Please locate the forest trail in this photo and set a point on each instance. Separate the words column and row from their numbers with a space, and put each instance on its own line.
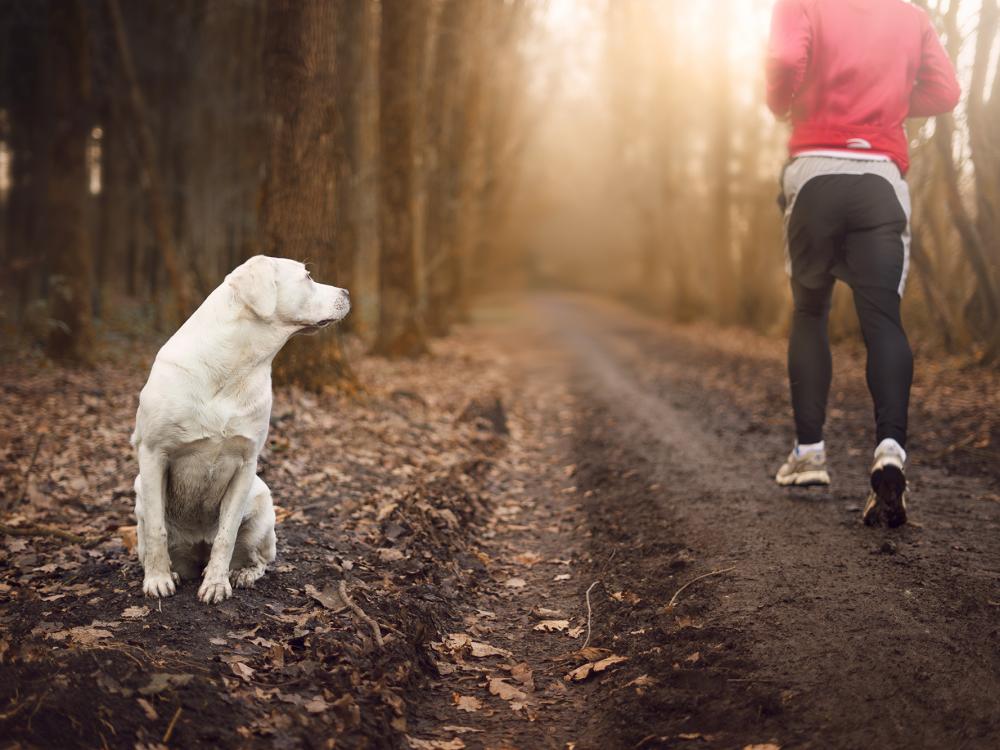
column 809, row 630
column 469, row 502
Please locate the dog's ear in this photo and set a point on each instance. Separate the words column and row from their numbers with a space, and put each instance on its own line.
column 256, row 285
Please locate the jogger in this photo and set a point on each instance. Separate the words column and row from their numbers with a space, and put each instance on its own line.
column 848, row 75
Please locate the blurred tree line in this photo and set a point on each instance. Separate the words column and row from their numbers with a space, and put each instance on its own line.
column 399, row 146
column 147, row 148
column 699, row 156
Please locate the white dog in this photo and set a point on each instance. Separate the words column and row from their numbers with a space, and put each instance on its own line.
column 202, row 420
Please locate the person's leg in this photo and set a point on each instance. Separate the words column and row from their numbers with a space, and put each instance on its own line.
column 810, row 365
column 814, row 225
column 876, row 249
column 890, row 360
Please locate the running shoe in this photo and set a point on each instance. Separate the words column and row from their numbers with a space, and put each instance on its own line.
column 808, row 470
column 887, row 499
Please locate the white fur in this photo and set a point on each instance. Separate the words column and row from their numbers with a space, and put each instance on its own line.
column 202, row 421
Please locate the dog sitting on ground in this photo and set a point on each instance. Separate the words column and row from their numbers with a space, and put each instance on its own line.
column 203, row 418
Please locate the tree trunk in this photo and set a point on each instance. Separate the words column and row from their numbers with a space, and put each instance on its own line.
column 351, row 40
column 159, row 209
column 297, row 209
column 443, row 110
column 67, row 76
column 400, row 328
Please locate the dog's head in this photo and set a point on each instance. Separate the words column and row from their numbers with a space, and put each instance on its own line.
column 281, row 291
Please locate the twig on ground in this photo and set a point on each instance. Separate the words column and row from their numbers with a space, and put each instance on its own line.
column 26, row 477
column 170, row 727
column 376, row 630
column 589, row 613
column 42, row 530
column 673, row 599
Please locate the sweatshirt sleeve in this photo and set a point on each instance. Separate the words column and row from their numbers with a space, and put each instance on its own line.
column 787, row 54
column 936, row 90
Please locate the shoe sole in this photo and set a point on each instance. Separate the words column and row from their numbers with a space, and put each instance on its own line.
column 887, row 501
column 805, row 479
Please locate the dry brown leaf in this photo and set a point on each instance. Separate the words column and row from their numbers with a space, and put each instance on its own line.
column 763, row 746
column 242, row 670
column 389, row 554
column 506, row 691
column 523, row 674
column 469, row 703
column 527, row 558
column 546, row 612
column 457, row 642
column 515, row 583
column 135, row 613
column 562, row 577
column 482, row 650
column 328, row 597
column 583, row 672
column 452, row 744
column 593, row 653
column 84, row 635
column 128, row 537
column 643, row 680
column 459, row 729
column 575, row 632
column 316, row 705
column 552, row 626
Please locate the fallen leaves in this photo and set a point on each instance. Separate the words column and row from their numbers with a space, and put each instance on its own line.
column 135, row 613
column 452, row 744
column 462, row 643
column 552, row 626
column 505, row 691
column 469, row 703
column 329, row 597
column 584, row 671
column 83, row 635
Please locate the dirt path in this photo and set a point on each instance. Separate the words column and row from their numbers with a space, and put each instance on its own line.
column 819, row 632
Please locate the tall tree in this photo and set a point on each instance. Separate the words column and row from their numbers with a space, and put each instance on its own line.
column 67, row 87
column 400, row 327
column 298, row 205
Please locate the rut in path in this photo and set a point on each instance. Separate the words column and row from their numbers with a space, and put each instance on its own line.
column 825, row 634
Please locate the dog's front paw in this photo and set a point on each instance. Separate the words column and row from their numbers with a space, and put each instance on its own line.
column 215, row 590
column 160, row 585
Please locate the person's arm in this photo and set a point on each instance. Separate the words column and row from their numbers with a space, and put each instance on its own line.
column 936, row 90
column 787, row 54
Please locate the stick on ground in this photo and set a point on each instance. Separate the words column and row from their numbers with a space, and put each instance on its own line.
column 360, row 613
column 589, row 613
column 40, row 530
column 170, row 728
column 673, row 599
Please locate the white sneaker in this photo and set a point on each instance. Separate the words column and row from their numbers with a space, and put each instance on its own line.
column 808, row 470
column 887, row 498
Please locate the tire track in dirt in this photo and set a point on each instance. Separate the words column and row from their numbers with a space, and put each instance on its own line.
column 826, row 634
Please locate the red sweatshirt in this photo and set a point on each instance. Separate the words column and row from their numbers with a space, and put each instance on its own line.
column 849, row 72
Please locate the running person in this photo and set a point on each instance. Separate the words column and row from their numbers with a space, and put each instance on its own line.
column 848, row 73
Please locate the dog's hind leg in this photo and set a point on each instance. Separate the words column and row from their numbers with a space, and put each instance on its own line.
column 256, row 544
